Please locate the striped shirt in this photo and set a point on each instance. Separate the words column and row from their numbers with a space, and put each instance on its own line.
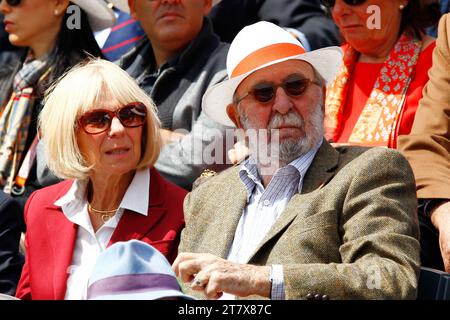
column 264, row 206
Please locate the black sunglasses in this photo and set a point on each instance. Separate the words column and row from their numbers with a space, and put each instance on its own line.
column 97, row 121
column 12, row 3
column 294, row 86
column 330, row 3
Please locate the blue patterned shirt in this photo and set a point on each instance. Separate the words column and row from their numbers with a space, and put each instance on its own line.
column 264, row 206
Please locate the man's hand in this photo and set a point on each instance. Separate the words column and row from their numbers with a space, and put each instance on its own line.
column 214, row 275
column 238, row 153
column 170, row 136
column 440, row 217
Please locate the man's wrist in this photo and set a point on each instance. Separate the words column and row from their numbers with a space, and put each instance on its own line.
column 428, row 205
column 439, row 211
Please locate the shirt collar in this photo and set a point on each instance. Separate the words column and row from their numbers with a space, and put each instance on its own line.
column 250, row 177
column 136, row 197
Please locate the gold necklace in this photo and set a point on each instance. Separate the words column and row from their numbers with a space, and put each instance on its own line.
column 105, row 214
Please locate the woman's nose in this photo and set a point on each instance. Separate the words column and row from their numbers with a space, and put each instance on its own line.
column 117, row 127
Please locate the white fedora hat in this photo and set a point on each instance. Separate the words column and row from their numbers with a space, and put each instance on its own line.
column 100, row 16
column 257, row 46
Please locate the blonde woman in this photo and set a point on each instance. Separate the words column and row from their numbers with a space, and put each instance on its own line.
column 101, row 133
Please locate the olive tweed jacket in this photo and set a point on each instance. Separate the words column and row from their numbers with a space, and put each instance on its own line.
column 351, row 234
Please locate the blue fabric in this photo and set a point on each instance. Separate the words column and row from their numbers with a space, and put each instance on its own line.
column 128, row 260
column 124, row 35
column 445, row 7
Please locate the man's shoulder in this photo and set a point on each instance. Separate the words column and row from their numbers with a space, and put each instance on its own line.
column 373, row 161
column 364, row 154
column 210, row 179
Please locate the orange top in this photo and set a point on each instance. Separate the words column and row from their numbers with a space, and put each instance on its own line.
column 361, row 84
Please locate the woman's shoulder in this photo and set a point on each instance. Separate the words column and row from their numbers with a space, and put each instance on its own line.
column 170, row 189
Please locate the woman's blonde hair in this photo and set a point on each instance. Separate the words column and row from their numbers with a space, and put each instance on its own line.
column 85, row 87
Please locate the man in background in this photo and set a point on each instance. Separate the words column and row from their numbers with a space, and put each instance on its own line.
column 177, row 61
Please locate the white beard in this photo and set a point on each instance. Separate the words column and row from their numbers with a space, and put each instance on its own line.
column 283, row 152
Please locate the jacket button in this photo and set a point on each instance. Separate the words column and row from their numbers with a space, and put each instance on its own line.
column 310, row 296
column 317, row 296
column 325, row 297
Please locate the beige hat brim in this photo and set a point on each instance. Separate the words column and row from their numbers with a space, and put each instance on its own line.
column 326, row 61
column 99, row 14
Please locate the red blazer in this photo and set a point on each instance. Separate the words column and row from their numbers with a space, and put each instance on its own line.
column 50, row 237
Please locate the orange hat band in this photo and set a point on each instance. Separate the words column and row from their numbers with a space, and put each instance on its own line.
column 265, row 55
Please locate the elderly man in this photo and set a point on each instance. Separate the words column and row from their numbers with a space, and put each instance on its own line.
column 315, row 222
column 175, row 63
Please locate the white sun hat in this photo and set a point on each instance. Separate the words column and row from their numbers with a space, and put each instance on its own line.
column 258, row 46
column 100, row 16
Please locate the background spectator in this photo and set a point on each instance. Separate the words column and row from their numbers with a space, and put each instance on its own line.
column 178, row 60
column 308, row 20
column 8, row 53
column 427, row 148
column 376, row 92
column 123, row 36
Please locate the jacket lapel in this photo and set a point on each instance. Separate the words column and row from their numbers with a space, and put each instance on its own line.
column 61, row 235
column 133, row 225
column 322, row 169
column 229, row 199
column 320, row 172
column 233, row 213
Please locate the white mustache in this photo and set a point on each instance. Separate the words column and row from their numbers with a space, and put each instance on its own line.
column 291, row 119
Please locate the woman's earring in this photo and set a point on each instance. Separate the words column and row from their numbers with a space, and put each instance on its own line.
column 56, row 12
column 402, row 6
